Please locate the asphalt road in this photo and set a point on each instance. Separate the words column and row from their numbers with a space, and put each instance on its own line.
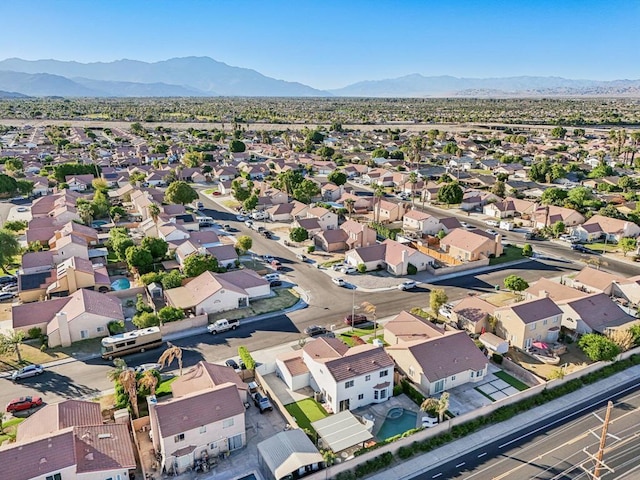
column 553, row 448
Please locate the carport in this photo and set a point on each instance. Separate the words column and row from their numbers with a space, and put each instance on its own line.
column 341, row 431
column 289, row 454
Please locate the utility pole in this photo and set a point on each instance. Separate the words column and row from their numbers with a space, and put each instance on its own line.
column 603, row 440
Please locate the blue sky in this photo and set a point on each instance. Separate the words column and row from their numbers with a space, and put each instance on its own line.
column 330, row 44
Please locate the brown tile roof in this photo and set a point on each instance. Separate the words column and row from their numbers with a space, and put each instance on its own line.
column 556, row 291
column 103, row 448
column 417, row 215
column 97, row 303
column 36, row 312
column 465, row 239
column 242, row 278
column 203, row 376
column 38, row 458
column 444, row 356
column 598, row 279
column 37, row 259
column 323, row 349
column 58, row 416
column 178, row 415
column 372, row 253
column 408, row 327
column 533, row 310
column 600, row 312
column 359, row 361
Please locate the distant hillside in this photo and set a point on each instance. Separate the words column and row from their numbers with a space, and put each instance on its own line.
column 44, row 85
column 202, row 75
column 417, row 85
column 133, row 89
column 4, row 94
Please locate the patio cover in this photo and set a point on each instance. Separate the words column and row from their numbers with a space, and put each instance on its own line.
column 341, row 431
column 288, row 451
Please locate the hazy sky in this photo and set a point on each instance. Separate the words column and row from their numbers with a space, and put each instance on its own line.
column 329, row 44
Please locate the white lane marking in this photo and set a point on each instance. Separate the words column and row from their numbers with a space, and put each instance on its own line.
column 482, row 454
column 436, row 475
column 460, row 464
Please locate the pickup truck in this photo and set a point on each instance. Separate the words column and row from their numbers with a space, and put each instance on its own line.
column 262, row 402
column 223, row 325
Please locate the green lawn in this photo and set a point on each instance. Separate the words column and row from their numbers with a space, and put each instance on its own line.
column 510, row 254
column 514, row 382
column 601, row 247
column 306, row 411
column 165, row 387
column 9, row 429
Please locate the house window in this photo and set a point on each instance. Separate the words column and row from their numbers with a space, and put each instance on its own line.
column 367, row 378
column 555, row 319
column 84, row 334
column 383, row 393
column 213, row 446
column 544, row 322
column 100, row 329
column 178, row 438
column 412, row 371
column 453, row 377
column 532, row 326
column 479, row 373
column 384, row 373
column 375, row 394
column 361, row 396
column 55, row 476
column 227, row 423
column 203, row 429
column 348, row 384
column 472, row 374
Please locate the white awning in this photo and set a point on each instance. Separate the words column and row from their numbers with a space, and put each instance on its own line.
column 341, row 431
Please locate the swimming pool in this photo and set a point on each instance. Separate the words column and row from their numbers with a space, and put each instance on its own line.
column 397, row 422
column 121, row 284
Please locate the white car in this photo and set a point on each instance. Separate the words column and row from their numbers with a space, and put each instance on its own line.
column 349, row 270
column 337, row 267
column 240, row 218
column 339, row 281
column 407, row 285
column 26, row 372
column 429, row 422
column 148, row 366
column 271, row 277
column 492, row 223
column 492, row 232
column 249, row 223
column 22, row 209
column 445, row 312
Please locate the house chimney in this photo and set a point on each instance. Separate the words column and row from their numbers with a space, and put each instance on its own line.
column 543, row 294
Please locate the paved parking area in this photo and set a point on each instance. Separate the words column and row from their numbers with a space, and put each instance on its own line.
column 497, row 389
column 468, row 397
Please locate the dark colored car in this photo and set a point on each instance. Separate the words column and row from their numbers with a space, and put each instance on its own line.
column 355, row 319
column 267, row 234
column 23, row 403
column 4, row 279
column 315, row 330
column 232, row 363
column 581, row 248
column 275, row 283
column 262, row 402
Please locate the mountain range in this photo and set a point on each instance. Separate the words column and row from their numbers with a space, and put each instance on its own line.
column 204, row 77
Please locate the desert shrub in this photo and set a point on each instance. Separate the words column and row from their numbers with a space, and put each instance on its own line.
column 411, row 269
column 34, row 332
column 496, row 357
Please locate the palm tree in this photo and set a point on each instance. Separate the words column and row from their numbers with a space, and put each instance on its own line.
column 378, row 193
column 119, row 366
column 12, row 341
column 154, row 212
column 170, row 354
column 349, row 203
column 440, row 405
column 85, row 212
column 371, row 308
column 149, row 380
column 128, row 381
column 413, row 179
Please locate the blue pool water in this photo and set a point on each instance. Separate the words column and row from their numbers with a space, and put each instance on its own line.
column 397, row 422
column 121, row 284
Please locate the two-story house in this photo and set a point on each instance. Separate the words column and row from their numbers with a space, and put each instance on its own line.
column 530, row 321
column 422, row 223
column 471, row 245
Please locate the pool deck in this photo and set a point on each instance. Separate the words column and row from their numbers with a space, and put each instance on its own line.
column 378, row 411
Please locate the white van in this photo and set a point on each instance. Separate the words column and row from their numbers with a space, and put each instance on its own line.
column 259, row 215
column 270, row 277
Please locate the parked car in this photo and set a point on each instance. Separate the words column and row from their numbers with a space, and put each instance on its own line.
column 407, row 285
column 4, row 279
column 356, row 319
column 349, row 270
column 445, row 312
column 267, row 234
column 26, row 372
column 249, row 223
column 271, row 277
column 232, row 363
column 23, row 403
column 467, row 226
column 581, row 248
column 12, row 287
column 275, row 283
column 337, row 266
column 262, row 402
column 4, row 296
column 315, row 330
column 276, row 265
column 148, row 366
column 240, row 218
column 428, row 422
column 226, row 227
column 492, row 223
column 302, row 257
column 339, row 281
column 492, row 232
column 268, row 258
column 261, row 229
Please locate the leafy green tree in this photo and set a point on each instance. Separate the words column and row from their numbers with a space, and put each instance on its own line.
column 10, row 342
column 117, row 212
column 15, row 225
column 579, row 196
column 99, row 184
column 515, row 283
column 170, row 314
column 62, row 170
column 558, row 132
column 120, row 241
column 437, row 298
column 145, row 320
column 173, row 279
column 239, row 191
column 244, row 243
column 315, row 136
column 499, row 188
column 25, row 187
column 288, row 181
column 250, row 203
column 8, row 185
column 199, row 263
column 527, row 250
column 380, row 153
column 601, row 171
column 598, row 348
column 100, row 204
column 326, row 152
column 558, row 228
column 451, row 193
column 627, row 183
column 237, row 146
column 554, row 196
column 13, row 165
column 9, row 248
column 137, row 177
column 337, row 177
column 298, row 234
column 579, row 132
column 306, row 191
column 151, row 277
column 441, row 234
column 192, row 159
column 156, row 246
column 181, row 193
column 139, row 258
column 628, row 244
column 246, row 358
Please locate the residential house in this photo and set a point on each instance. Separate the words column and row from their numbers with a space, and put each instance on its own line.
column 70, row 441
column 595, row 313
column 473, row 314
column 327, row 220
column 378, row 176
column 421, row 223
column 330, row 192
column 83, row 314
column 388, row 212
column 548, row 215
column 599, row 226
column 558, row 292
column 347, row 378
column 79, row 183
column 407, row 327
column 471, row 245
column 211, row 293
column 390, row 255
column 593, row 280
column 359, row 234
column 331, row 240
column 529, row 321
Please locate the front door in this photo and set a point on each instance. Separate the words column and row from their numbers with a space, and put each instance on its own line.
column 527, row 343
column 438, row 386
column 344, row 405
